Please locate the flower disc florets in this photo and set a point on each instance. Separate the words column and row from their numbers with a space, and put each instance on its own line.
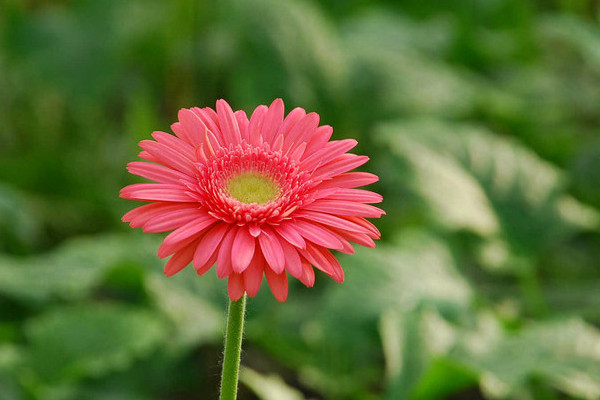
column 267, row 172
column 259, row 196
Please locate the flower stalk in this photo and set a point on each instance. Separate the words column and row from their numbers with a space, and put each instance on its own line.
column 233, row 348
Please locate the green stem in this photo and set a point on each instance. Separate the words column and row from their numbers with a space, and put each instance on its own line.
column 233, row 348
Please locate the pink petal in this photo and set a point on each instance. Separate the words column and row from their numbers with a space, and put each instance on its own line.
column 298, row 151
column 210, row 119
column 342, row 164
column 288, row 123
column 193, row 125
column 179, row 261
column 242, row 250
column 330, row 220
column 350, row 180
column 147, row 156
column 317, row 234
column 156, row 192
column 224, row 267
column 348, row 208
column 373, row 231
column 169, row 156
column 302, row 130
column 242, row 121
column 254, row 230
column 329, row 152
column 175, row 143
column 255, row 125
column 293, row 263
column 271, row 249
column 322, row 259
column 170, row 220
column 191, row 228
column 359, row 238
column 308, row 274
column 319, row 138
column 139, row 216
column 253, row 275
column 235, row 286
column 156, row 172
column 272, row 120
column 228, row 123
column 201, row 269
column 182, row 133
column 287, row 231
column 165, row 250
column 358, row 195
column 209, row 244
column 278, row 283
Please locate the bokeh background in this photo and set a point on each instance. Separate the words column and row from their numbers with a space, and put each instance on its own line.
column 480, row 116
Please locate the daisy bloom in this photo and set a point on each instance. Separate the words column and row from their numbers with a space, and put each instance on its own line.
column 269, row 195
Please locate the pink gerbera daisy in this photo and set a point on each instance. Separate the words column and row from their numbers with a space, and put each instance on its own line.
column 265, row 195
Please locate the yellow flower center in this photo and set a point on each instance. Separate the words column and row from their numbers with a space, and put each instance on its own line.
column 252, row 187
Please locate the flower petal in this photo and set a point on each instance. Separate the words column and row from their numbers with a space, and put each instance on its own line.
column 271, row 250
column 302, row 130
column 179, row 260
column 272, row 120
column 156, row 192
column 349, row 180
column 156, row 172
column 209, row 244
column 342, row 164
column 191, row 228
column 169, row 156
column 170, row 220
column 317, row 234
column 242, row 250
column 348, row 208
column 255, row 125
column 175, row 143
column 330, row 220
column 322, row 259
column 224, row 267
column 327, row 153
column 253, row 274
column 140, row 215
column 357, row 195
column 235, row 286
column 228, row 123
column 308, row 274
column 287, row 231
column 278, row 284
column 193, row 126
column 293, row 263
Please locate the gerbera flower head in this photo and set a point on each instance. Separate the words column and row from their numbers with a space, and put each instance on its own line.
column 266, row 196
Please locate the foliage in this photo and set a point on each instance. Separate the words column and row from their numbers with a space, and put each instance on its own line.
column 480, row 117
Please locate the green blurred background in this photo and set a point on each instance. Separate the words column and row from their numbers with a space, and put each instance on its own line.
column 480, row 116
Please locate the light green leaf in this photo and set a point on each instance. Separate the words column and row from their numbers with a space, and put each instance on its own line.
column 268, row 387
column 565, row 353
column 72, row 270
column 196, row 320
column 90, row 340
column 493, row 186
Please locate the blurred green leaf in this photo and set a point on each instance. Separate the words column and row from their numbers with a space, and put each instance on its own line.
column 72, row 270
column 19, row 227
column 90, row 340
column 268, row 387
column 566, row 353
column 473, row 180
column 195, row 319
